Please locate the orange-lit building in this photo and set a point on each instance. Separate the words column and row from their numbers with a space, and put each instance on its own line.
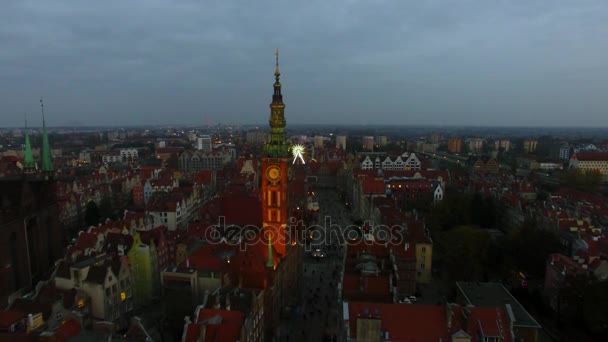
column 455, row 145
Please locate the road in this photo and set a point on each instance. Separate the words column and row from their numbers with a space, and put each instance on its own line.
column 321, row 315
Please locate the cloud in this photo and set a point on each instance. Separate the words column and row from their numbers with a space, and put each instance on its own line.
column 401, row 62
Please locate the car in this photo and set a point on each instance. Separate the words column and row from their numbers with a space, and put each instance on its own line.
column 318, row 253
column 412, row 299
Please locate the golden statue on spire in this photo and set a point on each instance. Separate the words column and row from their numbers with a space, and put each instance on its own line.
column 277, row 73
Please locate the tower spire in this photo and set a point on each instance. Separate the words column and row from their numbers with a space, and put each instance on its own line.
column 277, row 72
column 277, row 146
column 47, row 164
column 28, row 157
column 270, row 260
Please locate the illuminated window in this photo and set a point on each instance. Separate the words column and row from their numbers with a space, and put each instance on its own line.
column 81, row 303
column 123, row 296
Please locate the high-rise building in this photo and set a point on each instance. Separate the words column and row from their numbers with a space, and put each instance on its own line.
column 256, row 137
column 319, row 140
column 382, row 140
column 368, row 143
column 530, row 145
column 475, row 145
column 503, row 144
column 455, row 145
column 341, row 142
column 435, row 138
column 203, row 143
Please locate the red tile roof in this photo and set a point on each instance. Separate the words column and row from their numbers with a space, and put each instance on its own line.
column 203, row 177
column 404, row 322
column 68, row 329
column 10, row 317
column 242, row 210
column 208, row 258
column 373, row 186
column 86, row 240
column 228, row 330
column 591, row 156
column 492, row 322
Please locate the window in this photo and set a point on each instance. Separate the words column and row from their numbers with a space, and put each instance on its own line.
column 273, row 198
column 423, row 250
column 422, row 267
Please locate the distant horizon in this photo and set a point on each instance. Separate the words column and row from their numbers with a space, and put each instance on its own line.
column 299, row 125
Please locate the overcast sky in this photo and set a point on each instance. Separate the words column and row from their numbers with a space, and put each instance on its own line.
column 460, row 62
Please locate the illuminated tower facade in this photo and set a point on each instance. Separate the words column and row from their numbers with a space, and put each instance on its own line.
column 275, row 169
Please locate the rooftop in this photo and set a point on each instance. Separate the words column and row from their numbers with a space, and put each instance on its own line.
column 494, row 295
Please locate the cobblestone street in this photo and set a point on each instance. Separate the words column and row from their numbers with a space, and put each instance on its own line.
column 318, row 317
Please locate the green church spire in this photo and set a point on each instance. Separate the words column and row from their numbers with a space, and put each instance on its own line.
column 47, row 164
column 28, row 157
column 270, row 261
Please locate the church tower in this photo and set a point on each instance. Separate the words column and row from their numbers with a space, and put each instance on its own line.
column 47, row 163
column 274, row 171
column 29, row 166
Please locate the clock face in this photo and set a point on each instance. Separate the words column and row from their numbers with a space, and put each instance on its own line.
column 273, row 173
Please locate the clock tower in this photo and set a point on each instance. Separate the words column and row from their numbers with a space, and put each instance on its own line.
column 275, row 171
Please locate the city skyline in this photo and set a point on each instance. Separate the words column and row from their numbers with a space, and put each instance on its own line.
column 431, row 63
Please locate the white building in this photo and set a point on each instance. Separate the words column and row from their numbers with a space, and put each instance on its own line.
column 475, row 145
column 203, row 143
column 111, row 158
column 107, row 283
column 129, row 155
column 341, row 142
column 406, row 161
column 505, row 144
column 171, row 213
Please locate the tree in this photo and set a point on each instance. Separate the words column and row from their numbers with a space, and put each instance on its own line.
column 595, row 310
column 91, row 214
column 462, row 251
column 530, row 248
column 585, row 181
column 106, row 209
